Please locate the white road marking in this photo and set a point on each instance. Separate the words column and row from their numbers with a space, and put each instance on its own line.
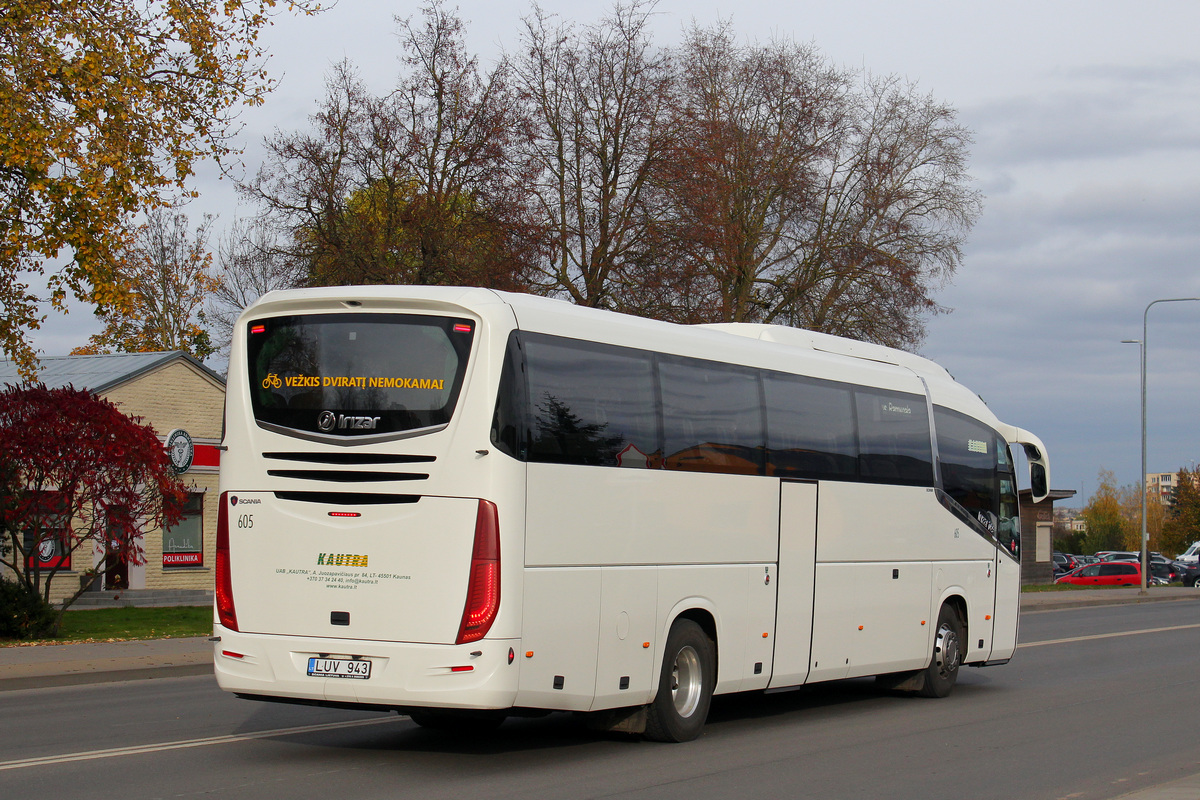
column 1108, row 635
column 160, row 747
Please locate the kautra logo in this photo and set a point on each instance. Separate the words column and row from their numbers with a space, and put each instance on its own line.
column 341, row 560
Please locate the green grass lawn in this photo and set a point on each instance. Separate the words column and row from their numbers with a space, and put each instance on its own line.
column 1058, row 587
column 1071, row 587
column 116, row 624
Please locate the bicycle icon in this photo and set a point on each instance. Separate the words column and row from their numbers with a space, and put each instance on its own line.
column 272, row 381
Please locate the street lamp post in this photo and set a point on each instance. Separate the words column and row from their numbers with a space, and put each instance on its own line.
column 1142, row 482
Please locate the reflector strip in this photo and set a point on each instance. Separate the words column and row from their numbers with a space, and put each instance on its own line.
column 462, row 669
column 231, row 654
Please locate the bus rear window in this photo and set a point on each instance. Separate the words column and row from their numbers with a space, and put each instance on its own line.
column 347, row 375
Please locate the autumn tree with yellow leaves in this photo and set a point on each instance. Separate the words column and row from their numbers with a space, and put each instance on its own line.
column 164, row 265
column 105, row 107
column 1109, row 527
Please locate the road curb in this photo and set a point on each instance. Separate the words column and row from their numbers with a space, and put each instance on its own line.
column 103, row 676
column 1034, row 602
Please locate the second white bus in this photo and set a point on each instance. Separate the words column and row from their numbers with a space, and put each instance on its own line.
column 463, row 504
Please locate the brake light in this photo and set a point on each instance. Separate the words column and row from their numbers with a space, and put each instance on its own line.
column 483, row 585
column 224, row 590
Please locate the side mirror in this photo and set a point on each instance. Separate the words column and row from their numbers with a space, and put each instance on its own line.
column 1038, row 481
column 1035, row 454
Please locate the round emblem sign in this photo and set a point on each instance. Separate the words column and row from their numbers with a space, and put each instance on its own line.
column 46, row 550
column 180, row 450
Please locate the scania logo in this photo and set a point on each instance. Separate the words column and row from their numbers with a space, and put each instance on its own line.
column 326, row 420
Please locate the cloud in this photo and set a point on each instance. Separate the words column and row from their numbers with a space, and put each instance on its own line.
column 1106, row 113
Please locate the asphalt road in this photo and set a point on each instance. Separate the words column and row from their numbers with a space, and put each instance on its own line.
column 1098, row 703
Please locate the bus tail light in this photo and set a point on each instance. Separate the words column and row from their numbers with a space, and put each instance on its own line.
column 224, row 591
column 483, row 585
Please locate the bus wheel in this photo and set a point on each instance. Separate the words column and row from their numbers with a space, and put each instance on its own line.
column 942, row 671
column 685, row 685
column 456, row 721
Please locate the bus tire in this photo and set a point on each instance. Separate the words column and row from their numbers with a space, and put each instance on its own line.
column 942, row 672
column 685, row 685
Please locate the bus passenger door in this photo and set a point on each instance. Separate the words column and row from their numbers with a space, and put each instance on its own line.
column 1008, row 605
column 797, row 569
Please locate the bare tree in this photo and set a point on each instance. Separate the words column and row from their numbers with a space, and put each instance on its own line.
column 740, row 178
column 460, row 130
column 414, row 187
column 163, row 265
column 308, row 177
column 250, row 263
column 721, row 181
column 598, row 98
column 793, row 197
column 897, row 205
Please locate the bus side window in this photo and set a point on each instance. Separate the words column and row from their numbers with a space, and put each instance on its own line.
column 977, row 473
column 810, row 428
column 893, row 438
column 590, row 404
column 508, row 421
column 712, row 417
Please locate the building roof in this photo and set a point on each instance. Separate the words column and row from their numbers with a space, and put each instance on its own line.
column 103, row 372
column 1055, row 494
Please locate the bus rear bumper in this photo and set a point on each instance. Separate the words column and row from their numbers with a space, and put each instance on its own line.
column 479, row 675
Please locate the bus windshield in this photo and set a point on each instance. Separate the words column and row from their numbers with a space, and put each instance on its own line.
column 347, row 375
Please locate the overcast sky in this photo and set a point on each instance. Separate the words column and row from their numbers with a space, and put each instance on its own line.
column 1086, row 118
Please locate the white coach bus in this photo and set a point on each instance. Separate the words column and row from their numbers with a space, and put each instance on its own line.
column 463, row 504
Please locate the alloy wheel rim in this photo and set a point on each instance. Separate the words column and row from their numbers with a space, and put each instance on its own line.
column 687, row 680
column 947, row 650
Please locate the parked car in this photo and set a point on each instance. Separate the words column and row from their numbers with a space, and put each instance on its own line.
column 1190, row 574
column 1191, row 555
column 1064, row 562
column 1119, row 555
column 1105, row 573
column 1164, row 571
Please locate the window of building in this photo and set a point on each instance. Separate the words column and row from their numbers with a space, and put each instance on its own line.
column 49, row 547
column 183, row 542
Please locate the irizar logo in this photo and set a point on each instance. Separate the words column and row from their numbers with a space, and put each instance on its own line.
column 327, row 421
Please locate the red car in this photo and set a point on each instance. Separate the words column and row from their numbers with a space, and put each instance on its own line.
column 1106, row 573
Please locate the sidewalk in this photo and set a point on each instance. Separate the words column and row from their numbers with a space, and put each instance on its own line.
column 70, row 664
column 101, row 662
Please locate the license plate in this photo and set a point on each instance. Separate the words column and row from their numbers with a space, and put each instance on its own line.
column 339, row 668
